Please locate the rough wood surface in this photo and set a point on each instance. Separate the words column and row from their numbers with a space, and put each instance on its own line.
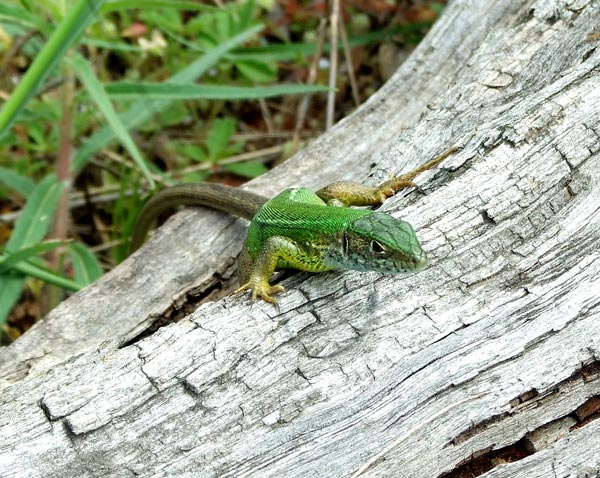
column 485, row 364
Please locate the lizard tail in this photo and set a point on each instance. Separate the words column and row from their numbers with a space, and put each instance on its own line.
column 215, row 196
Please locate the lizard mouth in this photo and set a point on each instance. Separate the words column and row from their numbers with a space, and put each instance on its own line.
column 421, row 262
column 415, row 262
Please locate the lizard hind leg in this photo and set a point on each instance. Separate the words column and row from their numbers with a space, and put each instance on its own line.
column 348, row 193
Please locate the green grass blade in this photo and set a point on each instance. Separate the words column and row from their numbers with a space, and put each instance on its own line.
column 67, row 32
column 112, row 45
column 10, row 259
column 23, row 17
column 165, row 91
column 11, row 286
column 30, row 228
column 13, row 281
column 32, row 225
column 21, row 184
column 141, row 112
column 85, row 264
column 300, row 51
column 33, row 270
column 96, row 91
column 114, row 5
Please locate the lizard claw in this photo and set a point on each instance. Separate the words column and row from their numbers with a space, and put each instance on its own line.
column 261, row 290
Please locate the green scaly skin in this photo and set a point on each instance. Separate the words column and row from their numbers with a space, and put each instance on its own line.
column 301, row 229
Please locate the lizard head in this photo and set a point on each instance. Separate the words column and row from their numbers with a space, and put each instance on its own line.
column 379, row 242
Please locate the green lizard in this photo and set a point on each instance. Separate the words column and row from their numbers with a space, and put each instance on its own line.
column 301, row 229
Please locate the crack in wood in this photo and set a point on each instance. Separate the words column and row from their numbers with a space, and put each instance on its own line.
column 214, row 289
column 49, row 416
column 535, row 440
column 529, row 398
column 485, row 215
column 218, row 286
column 484, row 460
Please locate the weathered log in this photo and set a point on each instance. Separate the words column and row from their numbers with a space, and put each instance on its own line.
column 486, row 363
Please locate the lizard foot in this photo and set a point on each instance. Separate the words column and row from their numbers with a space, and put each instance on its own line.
column 390, row 187
column 261, row 289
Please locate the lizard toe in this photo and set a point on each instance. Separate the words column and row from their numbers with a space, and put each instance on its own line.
column 266, row 292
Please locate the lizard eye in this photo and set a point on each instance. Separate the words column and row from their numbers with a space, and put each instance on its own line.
column 377, row 247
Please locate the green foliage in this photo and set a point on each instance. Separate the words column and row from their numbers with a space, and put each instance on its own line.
column 124, row 215
column 65, row 35
column 17, row 15
column 13, row 180
column 143, row 110
column 32, row 225
column 162, row 91
column 247, row 169
column 11, row 259
column 85, row 264
column 114, row 5
column 218, row 138
column 30, row 228
column 96, row 91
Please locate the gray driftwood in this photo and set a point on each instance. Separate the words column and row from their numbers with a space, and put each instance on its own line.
column 487, row 363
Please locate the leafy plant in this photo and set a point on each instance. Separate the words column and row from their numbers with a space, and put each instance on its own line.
column 65, row 35
column 38, row 116
column 30, row 228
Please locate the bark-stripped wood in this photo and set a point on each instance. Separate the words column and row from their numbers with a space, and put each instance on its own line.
column 485, row 364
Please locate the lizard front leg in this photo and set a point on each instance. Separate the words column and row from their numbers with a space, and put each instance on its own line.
column 348, row 193
column 256, row 273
